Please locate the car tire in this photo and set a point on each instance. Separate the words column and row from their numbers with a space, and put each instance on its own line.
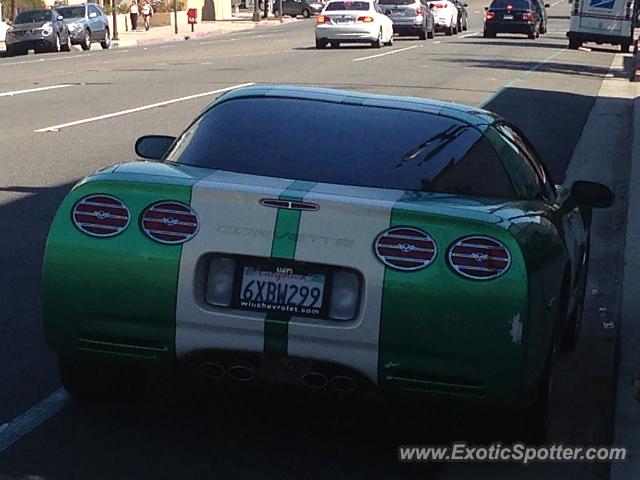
column 321, row 43
column 422, row 34
column 458, row 28
column 487, row 34
column 465, row 27
column 306, row 13
column 625, row 47
column 448, row 31
column 334, row 44
column 431, row 33
column 106, row 43
column 92, row 381
column 390, row 42
column 574, row 44
column 86, row 41
column 378, row 42
column 533, row 35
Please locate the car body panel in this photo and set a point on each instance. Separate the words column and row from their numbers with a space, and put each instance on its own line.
column 37, row 35
column 343, row 25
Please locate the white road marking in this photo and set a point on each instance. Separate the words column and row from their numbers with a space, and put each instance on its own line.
column 470, row 35
column 32, row 90
column 54, row 59
column 438, row 41
column 386, row 53
column 55, row 128
column 17, row 428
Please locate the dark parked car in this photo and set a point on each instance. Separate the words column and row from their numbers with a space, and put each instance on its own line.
column 86, row 23
column 513, row 16
column 40, row 30
column 293, row 8
column 463, row 21
column 410, row 17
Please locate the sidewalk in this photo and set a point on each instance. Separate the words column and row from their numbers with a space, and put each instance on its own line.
column 166, row 33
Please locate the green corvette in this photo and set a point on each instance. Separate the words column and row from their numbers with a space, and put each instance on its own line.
column 404, row 246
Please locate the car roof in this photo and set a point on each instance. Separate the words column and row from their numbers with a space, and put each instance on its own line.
column 465, row 113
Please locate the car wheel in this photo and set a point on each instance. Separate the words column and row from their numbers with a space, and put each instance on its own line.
column 334, row 44
column 378, row 42
column 106, row 43
column 321, row 43
column 431, row 32
column 574, row 44
column 422, row 34
column 458, row 28
column 624, row 47
column 306, row 13
column 533, row 35
column 543, row 28
column 91, row 381
column 465, row 27
column 487, row 34
column 448, row 31
column 86, row 41
column 390, row 42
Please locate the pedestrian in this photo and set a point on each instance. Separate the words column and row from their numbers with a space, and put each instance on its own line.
column 133, row 14
column 147, row 13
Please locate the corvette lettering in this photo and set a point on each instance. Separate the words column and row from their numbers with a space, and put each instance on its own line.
column 286, row 236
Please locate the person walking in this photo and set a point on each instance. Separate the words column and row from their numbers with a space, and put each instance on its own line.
column 147, row 13
column 133, row 15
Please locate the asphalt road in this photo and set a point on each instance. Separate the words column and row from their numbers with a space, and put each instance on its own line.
column 54, row 132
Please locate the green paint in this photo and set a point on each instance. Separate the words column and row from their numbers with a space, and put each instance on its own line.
column 439, row 331
column 285, row 238
column 117, row 291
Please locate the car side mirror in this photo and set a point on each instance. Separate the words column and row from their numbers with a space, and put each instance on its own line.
column 153, row 147
column 93, row 15
column 546, row 5
column 592, row 194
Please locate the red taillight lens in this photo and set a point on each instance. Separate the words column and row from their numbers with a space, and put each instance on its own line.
column 405, row 248
column 366, row 19
column 489, row 16
column 527, row 17
column 101, row 215
column 322, row 19
column 420, row 10
column 509, row 7
column 479, row 258
column 439, row 5
column 169, row 222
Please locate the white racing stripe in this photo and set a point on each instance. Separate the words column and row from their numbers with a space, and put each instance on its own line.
column 55, row 128
column 17, row 428
column 34, row 90
column 345, row 213
column 386, row 53
column 231, row 221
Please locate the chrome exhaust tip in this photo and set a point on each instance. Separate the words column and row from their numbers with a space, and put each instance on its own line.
column 212, row 370
column 343, row 384
column 315, row 380
column 241, row 373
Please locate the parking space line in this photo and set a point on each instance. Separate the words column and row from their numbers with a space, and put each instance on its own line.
column 55, row 128
column 17, row 428
column 32, row 90
column 386, row 53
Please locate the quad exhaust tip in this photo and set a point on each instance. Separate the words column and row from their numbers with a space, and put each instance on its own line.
column 241, row 373
column 212, row 370
column 315, row 380
column 343, row 384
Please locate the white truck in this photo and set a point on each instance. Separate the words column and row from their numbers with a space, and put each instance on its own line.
column 602, row 21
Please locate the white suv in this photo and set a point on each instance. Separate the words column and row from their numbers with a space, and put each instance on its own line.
column 445, row 15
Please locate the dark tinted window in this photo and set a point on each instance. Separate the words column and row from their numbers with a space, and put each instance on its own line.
column 515, row 4
column 396, row 2
column 347, row 6
column 33, row 16
column 71, row 12
column 344, row 144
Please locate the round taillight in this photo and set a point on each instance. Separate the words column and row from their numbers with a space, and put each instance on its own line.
column 169, row 222
column 479, row 258
column 405, row 248
column 101, row 215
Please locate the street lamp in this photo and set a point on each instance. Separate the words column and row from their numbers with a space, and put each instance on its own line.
column 114, row 16
column 256, row 10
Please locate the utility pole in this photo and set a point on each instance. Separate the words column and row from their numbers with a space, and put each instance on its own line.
column 256, row 10
column 175, row 15
column 114, row 17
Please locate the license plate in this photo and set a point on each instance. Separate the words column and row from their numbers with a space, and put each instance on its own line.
column 507, row 17
column 281, row 290
column 344, row 20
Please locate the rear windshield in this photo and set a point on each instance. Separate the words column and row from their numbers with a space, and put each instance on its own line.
column 396, row 2
column 344, row 144
column 33, row 16
column 71, row 12
column 347, row 6
column 515, row 4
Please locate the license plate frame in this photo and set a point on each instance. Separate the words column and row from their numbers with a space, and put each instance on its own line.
column 507, row 17
column 280, row 267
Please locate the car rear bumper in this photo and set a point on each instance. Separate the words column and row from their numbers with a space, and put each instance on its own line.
column 510, row 27
column 599, row 38
column 351, row 33
column 30, row 44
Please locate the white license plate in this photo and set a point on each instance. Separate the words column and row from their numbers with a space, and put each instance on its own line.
column 507, row 17
column 281, row 290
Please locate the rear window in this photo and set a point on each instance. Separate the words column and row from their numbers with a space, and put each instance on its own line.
column 515, row 4
column 344, row 144
column 33, row 16
column 347, row 6
column 396, row 2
